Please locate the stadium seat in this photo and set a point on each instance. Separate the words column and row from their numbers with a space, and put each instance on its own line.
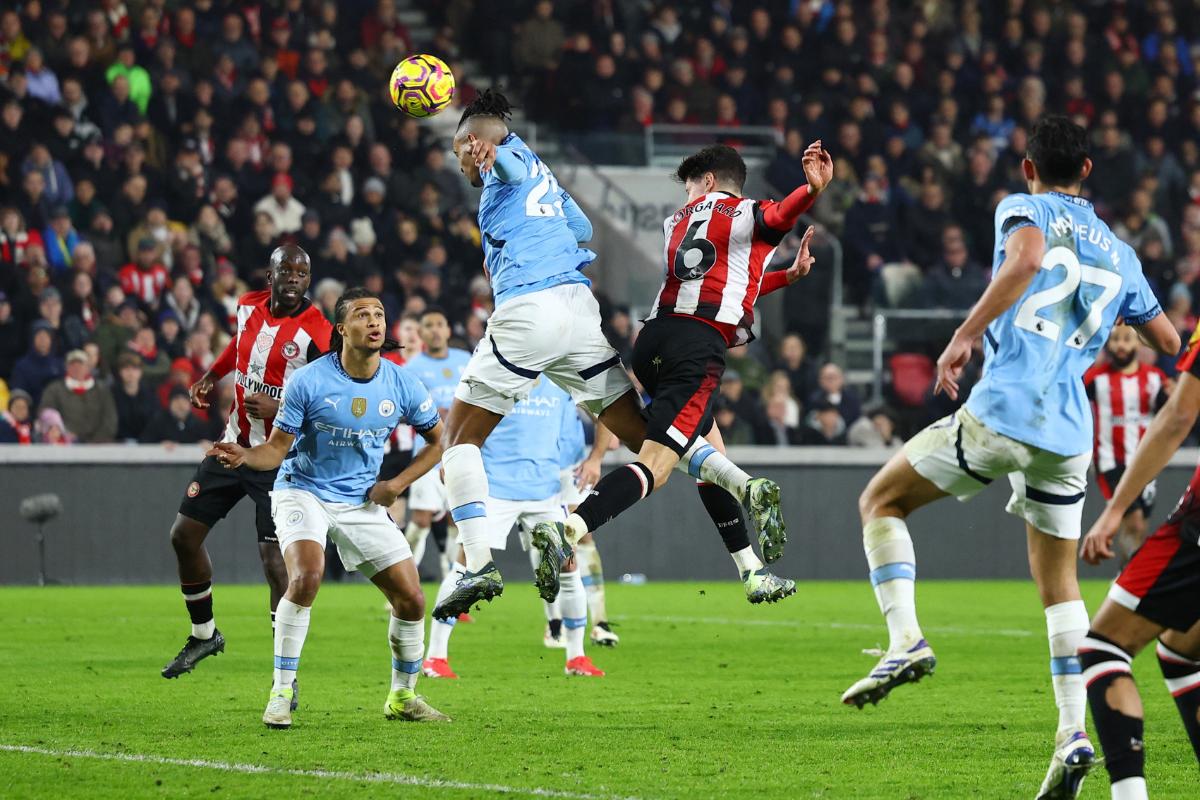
column 912, row 375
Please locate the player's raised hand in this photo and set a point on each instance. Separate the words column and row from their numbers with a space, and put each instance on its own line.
column 230, row 454
column 198, row 392
column 950, row 366
column 804, row 261
column 588, row 473
column 383, row 494
column 818, row 167
column 482, row 151
column 261, row 406
column 1097, row 545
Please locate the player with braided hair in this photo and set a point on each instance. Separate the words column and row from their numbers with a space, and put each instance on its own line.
column 547, row 322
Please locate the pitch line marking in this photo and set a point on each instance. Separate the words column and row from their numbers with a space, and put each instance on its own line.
column 850, row 626
column 258, row 769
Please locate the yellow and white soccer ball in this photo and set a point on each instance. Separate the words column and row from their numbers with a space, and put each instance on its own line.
column 422, row 85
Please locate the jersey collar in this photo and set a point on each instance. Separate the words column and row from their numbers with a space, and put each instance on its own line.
column 1072, row 198
column 337, row 363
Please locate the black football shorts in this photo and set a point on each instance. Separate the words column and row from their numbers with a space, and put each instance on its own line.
column 215, row 490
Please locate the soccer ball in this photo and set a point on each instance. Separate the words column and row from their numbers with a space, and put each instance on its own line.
column 421, row 85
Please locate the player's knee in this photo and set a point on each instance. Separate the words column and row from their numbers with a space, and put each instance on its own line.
column 869, row 504
column 187, row 535
column 303, row 585
column 408, row 605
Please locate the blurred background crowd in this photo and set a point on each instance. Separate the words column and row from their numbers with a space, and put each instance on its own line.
column 152, row 154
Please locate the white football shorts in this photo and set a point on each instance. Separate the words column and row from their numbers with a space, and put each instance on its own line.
column 960, row 455
column 502, row 515
column 428, row 493
column 555, row 332
column 571, row 494
column 367, row 540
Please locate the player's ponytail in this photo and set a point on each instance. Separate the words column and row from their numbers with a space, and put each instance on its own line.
column 489, row 103
column 339, row 316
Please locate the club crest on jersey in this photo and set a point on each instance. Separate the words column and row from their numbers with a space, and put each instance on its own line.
column 290, row 350
column 386, row 408
column 193, row 489
column 447, row 372
column 358, row 406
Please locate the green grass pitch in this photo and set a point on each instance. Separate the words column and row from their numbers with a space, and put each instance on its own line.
column 706, row 696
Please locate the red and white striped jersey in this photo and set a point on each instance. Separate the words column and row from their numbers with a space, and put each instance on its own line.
column 263, row 354
column 1123, row 406
column 716, row 250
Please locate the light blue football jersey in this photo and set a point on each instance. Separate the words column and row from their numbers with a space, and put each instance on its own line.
column 1036, row 352
column 440, row 376
column 521, row 455
column 341, row 425
column 572, row 444
column 528, row 244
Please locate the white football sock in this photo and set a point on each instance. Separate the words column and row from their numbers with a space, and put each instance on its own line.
column 467, row 493
column 591, row 571
column 440, row 630
column 573, row 602
column 574, row 529
column 704, row 462
column 291, row 626
column 416, row 535
column 1130, row 789
column 446, row 559
column 407, row 639
column 204, row 630
column 892, row 560
column 746, row 560
column 1066, row 625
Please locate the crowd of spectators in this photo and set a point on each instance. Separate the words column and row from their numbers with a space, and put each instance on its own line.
column 153, row 154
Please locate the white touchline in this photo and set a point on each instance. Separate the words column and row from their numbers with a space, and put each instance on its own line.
column 259, row 769
column 851, row 626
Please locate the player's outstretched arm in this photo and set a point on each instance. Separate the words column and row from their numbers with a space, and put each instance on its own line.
column 1168, row 430
column 264, row 457
column 1023, row 258
column 198, row 393
column 577, row 221
column 1160, row 334
column 384, row 493
column 589, row 471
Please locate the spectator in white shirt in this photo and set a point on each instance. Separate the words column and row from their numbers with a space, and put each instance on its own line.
column 285, row 211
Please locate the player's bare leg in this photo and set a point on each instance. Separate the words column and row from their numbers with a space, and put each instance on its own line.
column 1052, row 563
column 895, row 492
column 305, row 562
column 1117, row 635
column 195, row 580
column 467, row 427
column 401, row 586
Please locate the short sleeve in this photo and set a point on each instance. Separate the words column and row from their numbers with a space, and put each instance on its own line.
column 419, row 410
column 1015, row 212
column 293, row 407
column 1139, row 305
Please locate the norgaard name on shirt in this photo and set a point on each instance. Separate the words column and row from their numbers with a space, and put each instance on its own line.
column 727, row 210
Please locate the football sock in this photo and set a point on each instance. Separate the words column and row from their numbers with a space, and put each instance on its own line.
column 291, row 626
column 198, row 597
column 440, row 629
column 615, row 492
column 1066, row 625
column 573, row 601
column 407, row 639
column 592, row 572
column 1120, row 735
column 705, row 463
column 416, row 535
column 1183, row 682
column 554, row 625
column 1130, row 789
column 892, row 560
column 726, row 513
column 467, row 492
column 272, row 625
column 449, row 548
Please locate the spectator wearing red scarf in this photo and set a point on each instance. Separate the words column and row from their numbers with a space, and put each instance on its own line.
column 15, row 425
